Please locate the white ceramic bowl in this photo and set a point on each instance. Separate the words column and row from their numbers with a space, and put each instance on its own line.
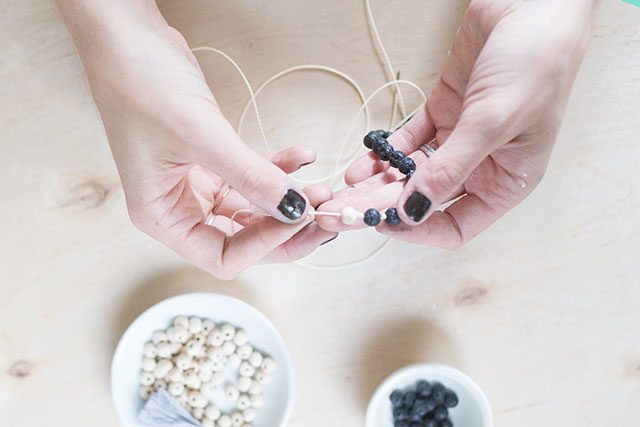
column 472, row 411
column 127, row 360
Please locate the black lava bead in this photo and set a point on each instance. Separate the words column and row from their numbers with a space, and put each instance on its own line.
column 394, row 219
column 396, row 398
column 401, row 423
column 438, row 392
column 383, row 133
column 396, row 158
column 380, row 145
column 370, row 138
column 445, row 423
column 450, row 399
column 441, row 413
column 372, row 218
column 430, row 423
column 400, row 414
column 423, row 387
column 410, row 396
column 407, row 165
column 385, row 152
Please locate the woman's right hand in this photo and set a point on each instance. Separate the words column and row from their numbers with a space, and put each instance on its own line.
column 177, row 154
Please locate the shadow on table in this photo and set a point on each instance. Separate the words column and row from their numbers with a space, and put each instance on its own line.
column 405, row 342
column 167, row 284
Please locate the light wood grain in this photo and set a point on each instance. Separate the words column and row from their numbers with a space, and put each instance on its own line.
column 542, row 309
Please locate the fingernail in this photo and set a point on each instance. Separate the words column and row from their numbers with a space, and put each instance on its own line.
column 330, row 240
column 416, row 206
column 306, row 164
column 292, row 205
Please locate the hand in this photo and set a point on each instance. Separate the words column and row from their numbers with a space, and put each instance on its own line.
column 176, row 152
column 495, row 115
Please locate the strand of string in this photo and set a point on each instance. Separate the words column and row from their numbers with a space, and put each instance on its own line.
column 364, row 108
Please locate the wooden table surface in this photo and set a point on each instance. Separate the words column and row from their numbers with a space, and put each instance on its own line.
column 542, row 310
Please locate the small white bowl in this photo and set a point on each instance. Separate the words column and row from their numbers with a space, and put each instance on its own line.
column 127, row 359
column 472, row 411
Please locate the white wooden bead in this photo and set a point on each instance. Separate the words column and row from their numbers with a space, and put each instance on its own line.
column 217, row 379
column 160, row 384
column 244, row 384
column 150, row 350
column 205, row 375
column 246, row 370
column 208, row 390
column 195, row 349
column 257, row 400
column 228, row 332
column 146, row 391
column 176, row 347
column 147, row 379
column 228, row 348
column 162, row 368
column 207, row 326
column 178, row 334
column 234, row 360
column 243, row 402
column 268, row 365
column 244, row 351
column 249, row 415
column 262, row 377
column 212, row 412
column 182, row 321
column 224, row 421
column 208, row 422
column 192, row 381
column 241, row 337
column 231, row 392
column 164, row 350
column 184, row 361
column 197, row 412
column 237, row 419
column 200, row 339
column 349, row 215
column 197, row 400
column 195, row 325
column 148, row 364
column 215, row 338
column 215, row 354
column 256, row 359
column 217, row 366
column 256, row 388
column 159, row 336
column 175, row 375
column 176, row 389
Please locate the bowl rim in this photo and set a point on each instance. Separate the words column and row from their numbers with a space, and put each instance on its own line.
column 446, row 370
column 290, row 379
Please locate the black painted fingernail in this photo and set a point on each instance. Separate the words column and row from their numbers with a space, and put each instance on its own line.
column 416, row 206
column 330, row 240
column 292, row 205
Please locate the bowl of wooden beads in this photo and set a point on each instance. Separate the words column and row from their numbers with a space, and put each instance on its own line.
column 215, row 357
column 429, row 395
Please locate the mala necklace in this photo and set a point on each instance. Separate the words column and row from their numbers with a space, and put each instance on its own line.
column 374, row 140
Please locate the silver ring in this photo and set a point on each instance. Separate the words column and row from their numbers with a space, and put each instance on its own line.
column 428, row 149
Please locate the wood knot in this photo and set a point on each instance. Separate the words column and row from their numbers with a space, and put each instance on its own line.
column 469, row 296
column 20, row 369
column 86, row 195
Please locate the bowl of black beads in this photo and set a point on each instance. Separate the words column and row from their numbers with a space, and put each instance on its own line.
column 429, row 395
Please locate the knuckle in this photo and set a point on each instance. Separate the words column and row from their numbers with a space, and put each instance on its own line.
column 445, row 178
column 249, row 181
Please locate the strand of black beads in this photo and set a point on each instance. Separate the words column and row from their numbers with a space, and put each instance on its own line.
column 376, row 140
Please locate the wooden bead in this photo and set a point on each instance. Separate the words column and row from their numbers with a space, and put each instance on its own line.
column 249, row 415
column 224, row 421
column 216, row 339
column 197, row 400
column 195, row 325
column 182, row 321
column 237, row 419
column 246, row 370
column 228, row 332
column 176, row 389
column 244, row 351
column 148, row 364
column 150, row 350
column 244, row 384
column 268, row 365
column 241, row 337
column 243, row 402
column 231, row 392
column 256, row 359
column 159, row 336
column 349, row 215
column 147, row 379
column 212, row 412
column 228, row 348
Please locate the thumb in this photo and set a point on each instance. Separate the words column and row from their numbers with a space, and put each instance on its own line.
column 261, row 182
column 436, row 180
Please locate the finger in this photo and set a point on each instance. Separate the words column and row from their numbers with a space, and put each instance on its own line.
column 293, row 158
column 451, row 228
column 419, row 130
column 220, row 149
